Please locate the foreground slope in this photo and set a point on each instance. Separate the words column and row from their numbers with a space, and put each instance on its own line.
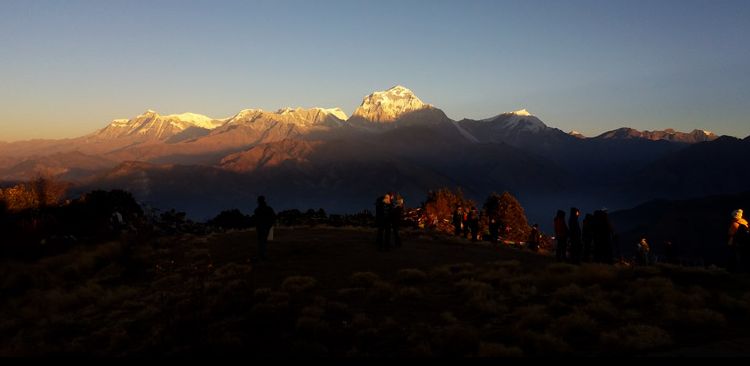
column 328, row 291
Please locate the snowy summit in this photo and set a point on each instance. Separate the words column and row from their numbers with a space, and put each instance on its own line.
column 389, row 105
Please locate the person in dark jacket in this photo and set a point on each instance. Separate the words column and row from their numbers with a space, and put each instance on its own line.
column 534, row 238
column 603, row 235
column 397, row 214
column 561, row 234
column 265, row 218
column 465, row 222
column 587, row 236
column 474, row 224
column 383, row 209
column 379, row 220
column 494, row 227
column 575, row 236
column 458, row 221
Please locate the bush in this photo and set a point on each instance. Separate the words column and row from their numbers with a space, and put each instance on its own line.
column 298, row 284
column 498, row 350
column 577, row 328
column 507, row 210
column 636, row 337
column 411, row 276
column 364, row 279
column 456, row 340
column 231, row 219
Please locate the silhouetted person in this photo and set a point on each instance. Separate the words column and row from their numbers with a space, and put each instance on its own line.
column 587, row 236
column 561, row 233
column 739, row 241
column 458, row 221
column 397, row 214
column 383, row 209
column 603, row 235
column 264, row 221
column 534, row 238
column 380, row 220
column 643, row 253
column 494, row 227
column 465, row 222
column 575, row 236
column 474, row 224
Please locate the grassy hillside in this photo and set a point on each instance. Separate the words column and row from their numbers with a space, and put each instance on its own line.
column 328, row 291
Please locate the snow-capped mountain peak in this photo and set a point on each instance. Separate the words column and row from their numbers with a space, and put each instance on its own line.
column 522, row 112
column 151, row 125
column 389, row 105
column 198, row 120
column 336, row 112
column 669, row 134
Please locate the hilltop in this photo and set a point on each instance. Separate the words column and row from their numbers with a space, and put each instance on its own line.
column 327, row 291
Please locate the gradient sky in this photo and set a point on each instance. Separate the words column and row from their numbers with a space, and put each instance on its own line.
column 69, row 67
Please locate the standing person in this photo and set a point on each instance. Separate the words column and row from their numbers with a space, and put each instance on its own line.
column 465, row 222
column 265, row 218
column 458, row 221
column 380, row 220
column 534, row 238
column 603, row 235
column 494, row 227
column 739, row 236
column 384, row 230
column 575, row 235
column 397, row 214
column 587, row 235
column 561, row 233
column 643, row 253
column 474, row 224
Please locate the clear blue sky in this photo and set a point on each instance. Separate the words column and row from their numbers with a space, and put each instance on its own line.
column 69, row 67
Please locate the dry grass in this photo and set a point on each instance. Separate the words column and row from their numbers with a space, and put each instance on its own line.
column 85, row 300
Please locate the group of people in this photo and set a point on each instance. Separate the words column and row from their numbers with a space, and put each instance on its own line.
column 466, row 223
column 593, row 240
column 389, row 212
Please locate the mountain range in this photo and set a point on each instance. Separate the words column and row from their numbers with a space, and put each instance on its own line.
column 319, row 157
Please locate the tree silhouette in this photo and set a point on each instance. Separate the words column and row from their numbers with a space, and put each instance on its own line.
column 506, row 209
column 440, row 205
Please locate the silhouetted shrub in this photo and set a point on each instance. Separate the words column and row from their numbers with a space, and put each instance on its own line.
column 231, row 219
column 439, row 207
column 636, row 337
column 507, row 210
column 364, row 279
column 498, row 350
column 411, row 276
column 456, row 340
column 298, row 284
